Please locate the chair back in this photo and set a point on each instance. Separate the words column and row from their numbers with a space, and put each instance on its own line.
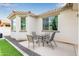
column 34, row 35
column 29, row 37
column 52, row 36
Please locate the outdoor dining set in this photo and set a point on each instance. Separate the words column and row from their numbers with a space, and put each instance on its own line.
column 41, row 39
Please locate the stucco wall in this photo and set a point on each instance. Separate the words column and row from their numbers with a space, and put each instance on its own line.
column 68, row 27
column 31, row 25
column 78, row 34
column 17, row 34
column 39, row 25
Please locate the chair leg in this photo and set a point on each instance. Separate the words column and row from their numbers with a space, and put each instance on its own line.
column 51, row 45
column 46, row 44
column 55, row 43
column 33, row 44
column 28, row 44
column 38, row 42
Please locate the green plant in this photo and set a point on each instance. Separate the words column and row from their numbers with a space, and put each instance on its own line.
column 54, row 23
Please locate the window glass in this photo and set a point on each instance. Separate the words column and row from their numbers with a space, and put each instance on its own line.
column 50, row 23
column 53, row 23
column 23, row 23
column 45, row 24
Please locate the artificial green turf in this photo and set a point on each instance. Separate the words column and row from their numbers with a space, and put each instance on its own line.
column 6, row 49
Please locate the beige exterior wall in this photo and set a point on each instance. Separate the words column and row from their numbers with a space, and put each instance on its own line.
column 68, row 27
column 78, row 28
column 31, row 25
column 39, row 25
column 17, row 34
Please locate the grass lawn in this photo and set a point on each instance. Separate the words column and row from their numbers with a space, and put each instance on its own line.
column 6, row 49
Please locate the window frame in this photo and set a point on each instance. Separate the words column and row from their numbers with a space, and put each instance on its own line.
column 49, row 18
column 44, row 20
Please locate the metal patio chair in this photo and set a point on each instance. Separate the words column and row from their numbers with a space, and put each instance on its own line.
column 30, row 40
column 36, row 38
column 49, row 39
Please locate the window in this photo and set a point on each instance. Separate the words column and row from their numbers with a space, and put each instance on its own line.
column 23, row 23
column 45, row 24
column 13, row 25
column 50, row 23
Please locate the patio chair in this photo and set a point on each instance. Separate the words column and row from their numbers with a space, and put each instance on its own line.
column 30, row 40
column 34, row 35
column 49, row 39
column 36, row 38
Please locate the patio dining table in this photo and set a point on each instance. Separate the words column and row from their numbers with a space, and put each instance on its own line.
column 42, row 37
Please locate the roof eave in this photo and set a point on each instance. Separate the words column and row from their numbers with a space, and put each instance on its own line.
column 56, row 11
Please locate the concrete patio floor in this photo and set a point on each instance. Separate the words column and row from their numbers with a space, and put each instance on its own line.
column 60, row 50
column 27, row 52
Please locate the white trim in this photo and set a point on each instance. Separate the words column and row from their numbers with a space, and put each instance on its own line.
column 17, row 48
